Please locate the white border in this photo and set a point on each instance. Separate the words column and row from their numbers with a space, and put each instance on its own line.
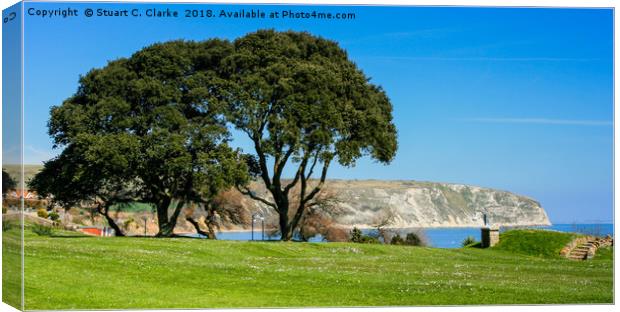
column 491, row 3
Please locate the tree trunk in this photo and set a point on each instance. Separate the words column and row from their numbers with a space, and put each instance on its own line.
column 210, row 221
column 114, row 226
column 285, row 229
column 197, row 227
column 166, row 225
column 105, row 212
column 211, row 231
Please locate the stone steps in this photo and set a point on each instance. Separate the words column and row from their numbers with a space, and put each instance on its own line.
column 584, row 248
column 584, row 251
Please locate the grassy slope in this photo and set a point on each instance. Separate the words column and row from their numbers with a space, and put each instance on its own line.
column 534, row 242
column 97, row 273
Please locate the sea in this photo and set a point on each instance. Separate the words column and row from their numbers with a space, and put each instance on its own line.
column 443, row 237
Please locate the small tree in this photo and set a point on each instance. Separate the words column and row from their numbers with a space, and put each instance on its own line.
column 302, row 102
column 383, row 220
column 319, row 215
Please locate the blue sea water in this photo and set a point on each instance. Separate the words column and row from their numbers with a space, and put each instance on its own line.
column 452, row 237
column 448, row 237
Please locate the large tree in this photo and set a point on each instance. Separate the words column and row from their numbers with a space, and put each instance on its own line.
column 149, row 126
column 302, row 102
column 8, row 183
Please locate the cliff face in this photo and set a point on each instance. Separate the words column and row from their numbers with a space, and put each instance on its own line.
column 425, row 204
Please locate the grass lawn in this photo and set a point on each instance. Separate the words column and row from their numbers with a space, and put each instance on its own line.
column 112, row 273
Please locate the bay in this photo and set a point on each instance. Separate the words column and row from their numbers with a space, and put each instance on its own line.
column 442, row 237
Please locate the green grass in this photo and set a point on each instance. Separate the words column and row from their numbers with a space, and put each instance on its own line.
column 534, row 242
column 11, row 265
column 604, row 254
column 78, row 272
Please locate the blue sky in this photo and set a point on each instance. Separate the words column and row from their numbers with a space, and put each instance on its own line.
column 512, row 99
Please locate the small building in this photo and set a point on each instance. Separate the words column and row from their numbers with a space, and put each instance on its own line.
column 97, row 231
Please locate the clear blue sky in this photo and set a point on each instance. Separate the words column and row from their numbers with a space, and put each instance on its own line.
column 512, row 99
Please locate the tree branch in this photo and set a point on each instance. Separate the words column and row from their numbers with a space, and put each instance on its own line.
column 316, row 158
column 280, row 163
column 317, row 189
column 245, row 191
column 300, row 173
column 177, row 211
column 262, row 161
column 197, row 227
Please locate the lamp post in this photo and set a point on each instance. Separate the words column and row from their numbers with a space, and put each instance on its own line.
column 145, row 219
column 255, row 217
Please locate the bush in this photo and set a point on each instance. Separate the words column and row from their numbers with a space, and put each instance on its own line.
column 411, row 239
column 397, row 240
column 415, row 239
column 356, row 235
column 366, row 239
column 468, row 241
column 54, row 216
column 42, row 213
column 42, row 230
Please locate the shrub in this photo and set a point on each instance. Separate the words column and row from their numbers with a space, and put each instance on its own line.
column 366, row 239
column 4, row 208
column 397, row 240
column 469, row 240
column 128, row 223
column 415, row 239
column 42, row 230
column 54, row 216
column 42, row 213
column 356, row 235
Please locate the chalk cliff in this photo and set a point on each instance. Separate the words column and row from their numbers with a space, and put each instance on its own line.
column 424, row 204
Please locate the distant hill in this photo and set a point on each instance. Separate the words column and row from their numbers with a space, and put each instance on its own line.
column 411, row 203
column 29, row 171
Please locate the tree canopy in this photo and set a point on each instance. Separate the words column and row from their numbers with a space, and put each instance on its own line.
column 301, row 100
column 147, row 128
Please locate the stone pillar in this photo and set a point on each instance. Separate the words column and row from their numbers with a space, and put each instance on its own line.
column 490, row 236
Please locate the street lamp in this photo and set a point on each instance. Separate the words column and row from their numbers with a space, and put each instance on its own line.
column 485, row 217
column 144, row 218
column 255, row 217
